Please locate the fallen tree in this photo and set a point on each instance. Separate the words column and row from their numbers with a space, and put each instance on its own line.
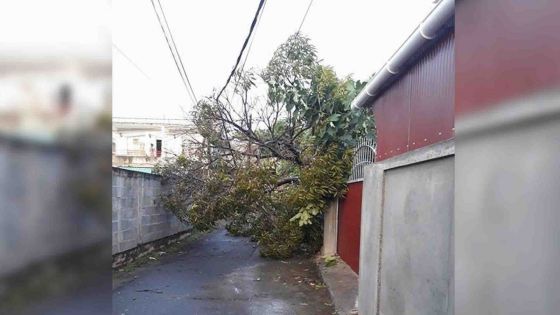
column 270, row 153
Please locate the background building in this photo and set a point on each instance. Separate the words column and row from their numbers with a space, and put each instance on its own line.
column 44, row 98
column 140, row 143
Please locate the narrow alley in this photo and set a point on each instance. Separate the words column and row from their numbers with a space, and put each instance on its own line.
column 222, row 274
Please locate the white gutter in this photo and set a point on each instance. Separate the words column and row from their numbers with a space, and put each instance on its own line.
column 425, row 33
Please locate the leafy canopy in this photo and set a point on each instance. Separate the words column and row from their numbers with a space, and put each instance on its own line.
column 269, row 163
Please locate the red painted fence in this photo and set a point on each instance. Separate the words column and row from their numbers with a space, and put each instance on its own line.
column 349, row 220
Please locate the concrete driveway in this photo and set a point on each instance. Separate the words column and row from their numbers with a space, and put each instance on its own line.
column 221, row 274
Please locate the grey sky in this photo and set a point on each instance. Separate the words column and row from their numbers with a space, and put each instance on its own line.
column 353, row 36
column 45, row 29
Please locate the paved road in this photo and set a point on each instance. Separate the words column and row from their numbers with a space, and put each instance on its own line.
column 221, row 274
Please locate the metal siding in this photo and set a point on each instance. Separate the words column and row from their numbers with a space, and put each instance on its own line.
column 505, row 50
column 392, row 120
column 349, row 221
column 432, row 111
column 418, row 109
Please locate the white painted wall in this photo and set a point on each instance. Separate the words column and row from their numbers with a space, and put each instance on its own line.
column 140, row 140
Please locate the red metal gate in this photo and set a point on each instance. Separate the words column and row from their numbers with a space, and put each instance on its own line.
column 349, row 220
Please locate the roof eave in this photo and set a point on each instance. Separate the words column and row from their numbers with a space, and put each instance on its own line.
column 423, row 36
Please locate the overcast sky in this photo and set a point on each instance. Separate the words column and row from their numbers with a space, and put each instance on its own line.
column 43, row 29
column 354, row 36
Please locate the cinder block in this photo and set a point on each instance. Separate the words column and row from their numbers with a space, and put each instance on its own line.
column 128, row 213
column 126, row 245
column 129, row 235
column 115, row 239
column 127, row 224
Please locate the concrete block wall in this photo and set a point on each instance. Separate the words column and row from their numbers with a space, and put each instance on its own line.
column 406, row 252
column 42, row 215
column 507, row 239
column 138, row 215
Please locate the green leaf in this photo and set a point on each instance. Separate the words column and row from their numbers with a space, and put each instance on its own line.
column 334, row 117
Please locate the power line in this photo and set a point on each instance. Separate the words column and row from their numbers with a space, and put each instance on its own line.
column 253, row 38
column 250, row 45
column 255, row 18
column 172, row 54
column 305, row 16
column 171, row 50
column 177, row 51
column 130, row 60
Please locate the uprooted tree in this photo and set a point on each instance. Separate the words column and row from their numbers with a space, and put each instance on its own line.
column 268, row 158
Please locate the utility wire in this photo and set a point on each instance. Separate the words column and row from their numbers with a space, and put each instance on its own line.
column 250, row 45
column 130, row 60
column 172, row 54
column 177, row 51
column 255, row 18
column 305, row 16
column 253, row 38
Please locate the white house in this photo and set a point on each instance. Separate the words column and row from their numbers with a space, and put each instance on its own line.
column 140, row 143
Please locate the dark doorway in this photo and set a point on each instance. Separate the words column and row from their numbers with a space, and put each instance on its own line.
column 158, row 148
